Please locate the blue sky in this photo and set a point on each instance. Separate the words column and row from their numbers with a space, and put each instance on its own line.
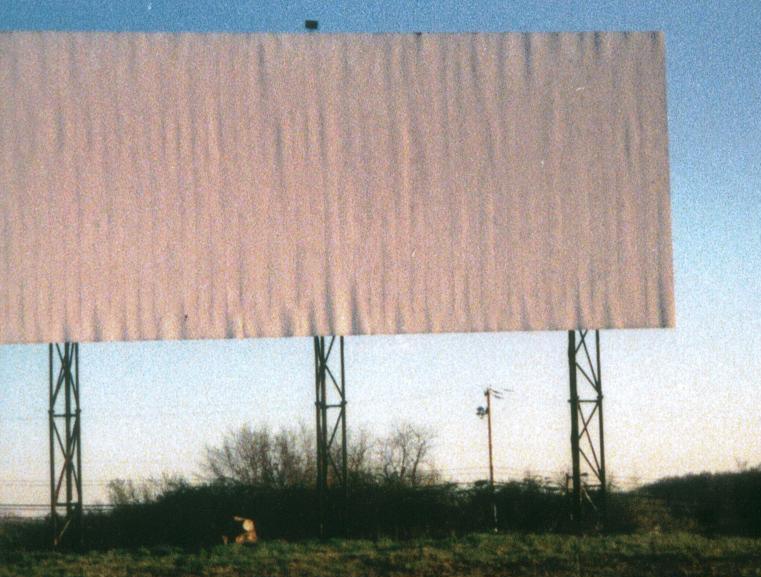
column 676, row 400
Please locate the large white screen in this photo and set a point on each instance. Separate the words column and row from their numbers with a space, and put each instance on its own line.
column 164, row 186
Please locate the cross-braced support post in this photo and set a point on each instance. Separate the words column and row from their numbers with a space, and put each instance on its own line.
column 330, row 394
column 589, row 488
column 65, row 441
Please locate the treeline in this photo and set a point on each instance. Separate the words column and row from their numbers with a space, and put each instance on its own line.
column 395, row 491
column 193, row 516
column 711, row 503
column 198, row 516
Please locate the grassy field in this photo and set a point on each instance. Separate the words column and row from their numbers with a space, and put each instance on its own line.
column 476, row 555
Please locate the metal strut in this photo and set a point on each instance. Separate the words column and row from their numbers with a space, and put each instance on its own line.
column 589, row 488
column 332, row 461
column 65, row 440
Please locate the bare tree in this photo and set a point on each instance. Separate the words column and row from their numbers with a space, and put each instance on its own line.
column 404, row 456
column 294, row 462
column 259, row 457
column 129, row 492
column 287, row 458
column 359, row 457
column 360, row 453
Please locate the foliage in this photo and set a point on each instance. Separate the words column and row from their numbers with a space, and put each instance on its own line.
column 198, row 516
column 19, row 534
column 262, row 458
column 404, row 456
column 638, row 513
column 716, row 503
column 379, row 506
column 286, row 458
column 127, row 491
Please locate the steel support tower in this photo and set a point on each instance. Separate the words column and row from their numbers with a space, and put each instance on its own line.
column 332, row 461
column 65, row 441
column 589, row 487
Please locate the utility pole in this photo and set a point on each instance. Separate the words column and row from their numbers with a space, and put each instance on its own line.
column 491, row 445
column 486, row 412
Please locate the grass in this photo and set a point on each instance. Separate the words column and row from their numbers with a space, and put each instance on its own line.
column 471, row 556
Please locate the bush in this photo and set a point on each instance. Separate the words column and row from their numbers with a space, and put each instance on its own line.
column 637, row 513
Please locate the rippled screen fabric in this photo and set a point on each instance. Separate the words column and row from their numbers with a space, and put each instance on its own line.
column 203, row 186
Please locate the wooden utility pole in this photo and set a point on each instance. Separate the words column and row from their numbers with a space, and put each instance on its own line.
column 488, row 394
column 486, row 412
column 491, row 455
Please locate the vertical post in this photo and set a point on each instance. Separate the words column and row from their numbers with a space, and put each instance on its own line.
column 78, row 435
column 344, row 445
column 575, row 457
column 601, row 429
column 318, row 367
column 51, row 429
column 491, row 462
column 68, row 460
column 488, row 421
column 64, row 412
column 327, row 385
column 587, row 449
column 324, row 436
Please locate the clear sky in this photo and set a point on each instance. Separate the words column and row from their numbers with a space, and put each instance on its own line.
column 680, row 400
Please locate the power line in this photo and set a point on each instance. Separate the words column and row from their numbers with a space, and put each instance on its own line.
column 46, row 506
column 473, row 470
column 135, row 416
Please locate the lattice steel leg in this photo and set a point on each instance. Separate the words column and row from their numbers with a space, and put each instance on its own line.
column 589, row 485
column 332, row 460
column 65, row 440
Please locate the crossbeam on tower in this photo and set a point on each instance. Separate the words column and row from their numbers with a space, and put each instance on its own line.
column 65, row 442
column 330, row 399
column 589, row 485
